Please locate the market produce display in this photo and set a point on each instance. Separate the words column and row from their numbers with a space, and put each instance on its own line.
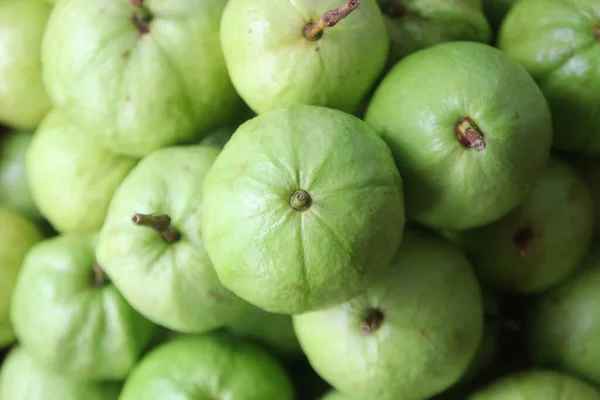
column 300, row 200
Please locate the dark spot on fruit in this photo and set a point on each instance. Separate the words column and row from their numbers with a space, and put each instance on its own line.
column 128, row 98
column 459, row 337
column 126, row 53
column 370, row 209
column 597, row 33
column 372, row 321
column 299, row 287
column 522, row 239
column 250, row 31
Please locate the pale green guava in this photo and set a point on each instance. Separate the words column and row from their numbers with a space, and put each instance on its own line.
column 139, row 75
column 152, row 247
column 411, row 335
column 302, row 208
column 71, row 177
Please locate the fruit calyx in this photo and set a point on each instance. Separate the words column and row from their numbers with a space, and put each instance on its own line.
column 522, row 239
column 314, row 31
column 142, row 16
column 100, row 278
column 300, row 200
column 160, row 223
column 469, row 135
column 372, row 321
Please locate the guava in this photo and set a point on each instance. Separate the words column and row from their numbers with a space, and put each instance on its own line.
column 275, row 331
column 558, row 42
column 23, row 98
column 139, row 75
column 414, row 25
column 589, row 170
column 23, row 378
column 17, row 235
column 302, row 208
column 563, row 324
column 70, row 317
column 469, row 129
column 411, row 334
column 71, row 177
column 496, row 10
column 208, row 366
column 537, row 384
column 317, row 52
column 152, row 247
column 14, row 187
column 540, row 243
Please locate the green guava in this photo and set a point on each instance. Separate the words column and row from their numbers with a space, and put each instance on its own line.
column 417, row 24
column 152, row 247
column 205, row 367
column 558, row 42
column 496, row 10
column 537, row 384
column 317, row 52
column 17, row 235
column 413, row 332
column 302, row 208
column 589, row 170
column 14, row 186
column 23, row 97
column 540, row 243
column 563, row 324
column 470, row 131
column 139, row 75
column 71, row 177
column 70, row 317
column 23, row 378
column 276, row 331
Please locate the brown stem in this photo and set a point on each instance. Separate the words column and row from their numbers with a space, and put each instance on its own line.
column 372, row 321
column 99, row 275
column 142, row 16
column 160, row 223
column 469, row 135
column 314, row 31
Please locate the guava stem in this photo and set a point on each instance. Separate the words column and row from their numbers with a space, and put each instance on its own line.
column 99, row 275
column 314, row 31
column 300, row 200
column 469, row 135
column 372, row 321
column 160, row 223
column 142, row 17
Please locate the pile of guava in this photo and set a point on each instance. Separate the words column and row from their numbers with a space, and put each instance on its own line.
column 300, row 200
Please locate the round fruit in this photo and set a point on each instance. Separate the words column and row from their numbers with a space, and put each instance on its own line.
column 70, row 318
column 280, row 53
column 558, row 42
column 302, row 208
column 470, row 131
column 23, row 98
column 537, row 384
column 23, row 378
column 410, row 335
column 71, row 177
column 540, row 243
column 563, row 324
column 151, row 245
column 210, row 366
column 139, row 75
column 17, row 236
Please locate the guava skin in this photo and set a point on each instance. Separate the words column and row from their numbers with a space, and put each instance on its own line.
column 14, row 187
column 71, row 177
column 17, row 235
column 23, row 97
column 563, row 325
column 69, row 323
column 138, row 90
column 537, row 384
column 206, row 367
column 172, row 284
column 558, row 42
column 273, row 65
column 589, row 169
column 418, row 110
column 23, row 378
column 417, row 24
column 430, row 326
column 540, row 243
column 344, row 231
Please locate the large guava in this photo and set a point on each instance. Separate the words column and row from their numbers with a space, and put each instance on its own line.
column 302, row 208
column 470, row 131
column 411, row 334
column 138, row 75
column 558, row 42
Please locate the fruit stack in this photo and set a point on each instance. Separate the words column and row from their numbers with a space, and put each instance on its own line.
column 317, row 199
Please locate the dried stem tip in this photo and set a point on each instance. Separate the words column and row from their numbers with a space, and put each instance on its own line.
column 160, row 223
column 314, row 31
column 142, row 16
column 469, row 135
